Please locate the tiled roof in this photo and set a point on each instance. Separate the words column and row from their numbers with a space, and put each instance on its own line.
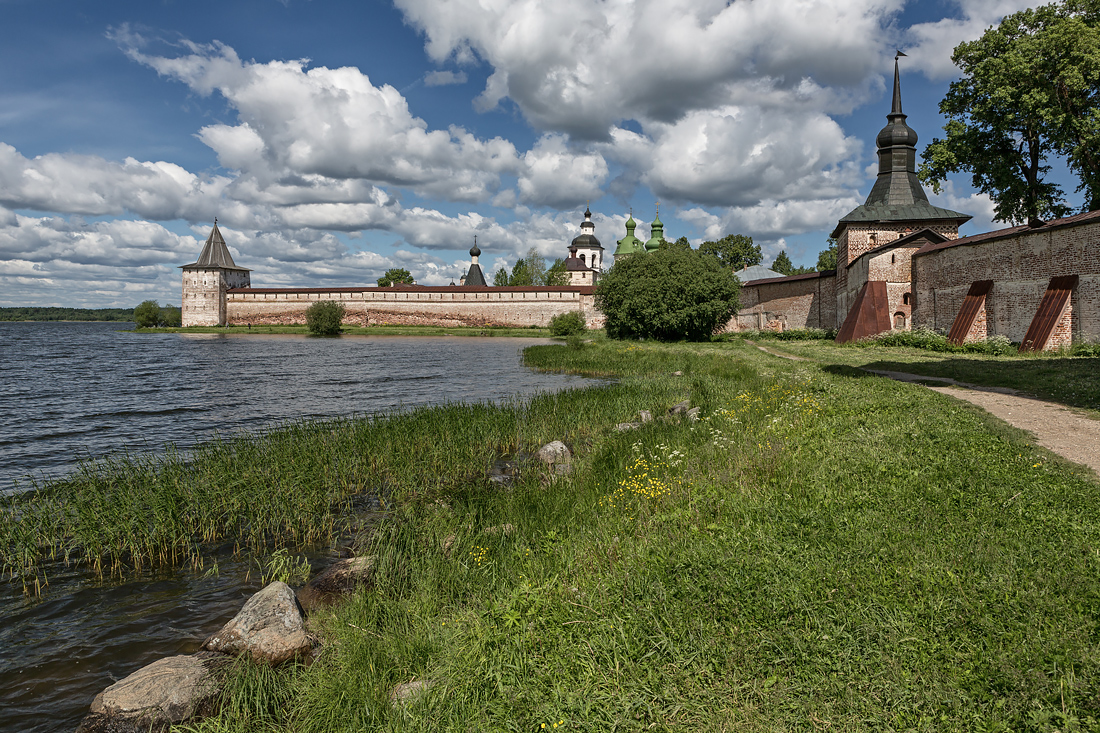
column 215, row 253
column 756, row 272
column 791, row 278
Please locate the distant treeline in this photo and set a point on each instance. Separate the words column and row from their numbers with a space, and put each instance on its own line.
column 66, row 314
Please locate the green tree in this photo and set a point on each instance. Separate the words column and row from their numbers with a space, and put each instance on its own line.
column 1030, row 90
column 147, row 314
column 536, row 265
column 396, row 276
column 783, row 264
column 324, row 317
column 556, row 274
column 734, row 250
column 670, row 294
column 681, row 243
column 170, row 316
column 521, row 275
column 826, row 258
column 501, row 278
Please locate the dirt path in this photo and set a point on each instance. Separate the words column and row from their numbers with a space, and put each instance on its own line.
column 1054, row 427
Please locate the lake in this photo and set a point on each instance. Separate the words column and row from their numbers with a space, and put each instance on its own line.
column 73, row 391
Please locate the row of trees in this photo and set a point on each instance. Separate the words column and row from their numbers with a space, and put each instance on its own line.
column 149, row 314
column 532, row 270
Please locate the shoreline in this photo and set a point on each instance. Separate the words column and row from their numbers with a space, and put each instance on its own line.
column 689, row 574
column 302, row 330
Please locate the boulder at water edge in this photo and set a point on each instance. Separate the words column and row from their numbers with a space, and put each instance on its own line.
column 269, row 629
column 170, row 690
column 337, row 580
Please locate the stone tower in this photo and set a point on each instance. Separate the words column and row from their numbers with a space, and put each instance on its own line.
column 896, row 206
column 206, row 280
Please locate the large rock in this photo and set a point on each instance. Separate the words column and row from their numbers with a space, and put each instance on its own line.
column 168, row 691
column 555, row 453
column 336, row 581
column 269, row 629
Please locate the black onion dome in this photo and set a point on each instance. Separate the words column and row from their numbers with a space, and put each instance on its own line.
column 474, row 251
column 897, row 132
column 587, row 240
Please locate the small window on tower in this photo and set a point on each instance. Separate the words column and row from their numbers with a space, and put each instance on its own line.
column 905, row 298
column 582, row 259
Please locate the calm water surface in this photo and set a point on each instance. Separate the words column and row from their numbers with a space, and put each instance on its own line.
column 71, row 391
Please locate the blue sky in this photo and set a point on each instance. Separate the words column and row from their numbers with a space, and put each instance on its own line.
column 334, row 139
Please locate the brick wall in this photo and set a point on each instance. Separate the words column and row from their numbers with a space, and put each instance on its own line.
column 800, row 301
column 1020, row 262
column 443, row 306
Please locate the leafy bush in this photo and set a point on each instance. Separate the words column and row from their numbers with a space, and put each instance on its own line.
column 671, row 294
column 170, row 316
column 1082, row 348
column 565, row 324
column 323, row 318
column 929, row 340
column 147, row 315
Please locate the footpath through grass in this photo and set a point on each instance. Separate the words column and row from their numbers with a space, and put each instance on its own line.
column 825, row 550
column 1068, row 380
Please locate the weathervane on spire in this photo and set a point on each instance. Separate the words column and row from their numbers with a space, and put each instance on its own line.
column 899, row 54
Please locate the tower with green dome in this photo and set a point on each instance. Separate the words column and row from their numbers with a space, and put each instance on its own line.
column 657, row 233
column 629, row 245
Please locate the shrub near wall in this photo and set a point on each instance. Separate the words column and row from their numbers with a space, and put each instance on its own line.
column 568, row 324
column 324, row 317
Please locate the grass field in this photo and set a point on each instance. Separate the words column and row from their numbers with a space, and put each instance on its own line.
column 1069, row 380
column 825, row 550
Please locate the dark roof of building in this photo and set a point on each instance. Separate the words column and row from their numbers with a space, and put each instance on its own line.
column 475, row 277
column 933, row 237
column 791, row 278
column 897, row 194
column 587, row 240
column 1068, row 221
column 215, row 253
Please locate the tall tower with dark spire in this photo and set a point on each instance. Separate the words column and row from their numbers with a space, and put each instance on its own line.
column 206, row 280
column 897, row 204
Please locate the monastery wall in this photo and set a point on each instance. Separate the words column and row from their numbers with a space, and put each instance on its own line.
column 1020, row 262
column 796, row 302
column 448, row 306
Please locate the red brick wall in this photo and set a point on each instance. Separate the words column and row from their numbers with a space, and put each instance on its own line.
column 787, row 304
column 1020, row 267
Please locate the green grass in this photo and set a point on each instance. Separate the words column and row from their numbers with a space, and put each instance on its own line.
column 351, row 330
column 1057, row 376
column 825, row 550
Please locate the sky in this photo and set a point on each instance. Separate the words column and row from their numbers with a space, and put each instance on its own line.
column 335, row 139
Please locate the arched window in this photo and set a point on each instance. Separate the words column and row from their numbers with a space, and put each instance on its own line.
column 582, row 259
column 905, row 298
column 899, row 320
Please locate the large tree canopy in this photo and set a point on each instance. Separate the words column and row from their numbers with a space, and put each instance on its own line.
column 734, row 250
column 671, row 294
column 1030, row 90
column 396, row 276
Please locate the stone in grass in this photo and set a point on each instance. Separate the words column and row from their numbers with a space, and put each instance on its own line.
column 693, row 414
column 270, row 629
column 646, row 416
column 679, row 408
column 168, row 691
column 336, row 581
column 555, row 453
column 624, row 426
column 406, row 691
column 677, row 374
